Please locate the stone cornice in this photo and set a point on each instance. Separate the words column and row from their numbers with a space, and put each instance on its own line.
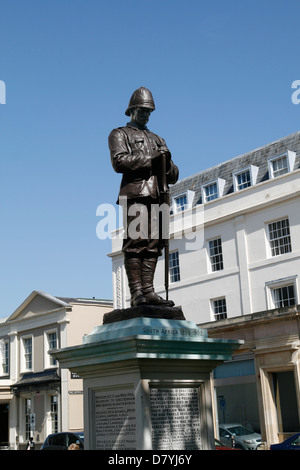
column 253, row 320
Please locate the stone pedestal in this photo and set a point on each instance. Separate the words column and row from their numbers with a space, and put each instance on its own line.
column 147, row 382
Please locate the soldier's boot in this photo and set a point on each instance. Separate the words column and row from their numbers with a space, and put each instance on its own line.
column 148, row 270
column 133, row 267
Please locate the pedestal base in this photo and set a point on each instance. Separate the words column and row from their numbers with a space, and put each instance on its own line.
column 147, row 383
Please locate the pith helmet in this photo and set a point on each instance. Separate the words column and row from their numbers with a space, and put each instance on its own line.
column 141, row 97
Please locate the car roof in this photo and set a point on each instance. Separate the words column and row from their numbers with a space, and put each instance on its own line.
column 66, row 432
column 231, row 424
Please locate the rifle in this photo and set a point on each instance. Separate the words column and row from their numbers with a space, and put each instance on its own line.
column 164, row 199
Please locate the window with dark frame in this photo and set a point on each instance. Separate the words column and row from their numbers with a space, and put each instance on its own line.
column 284, row 296
column 54, row 415
column 216, row 254
column 243, row 180
column 181, row 203
column 174, row 266
column 219, row 309
column 4, row 354
column 52, row 343
column 279, row 166
column 28, row 353
column 280, row 237
column 27, row 418
column 210, row 192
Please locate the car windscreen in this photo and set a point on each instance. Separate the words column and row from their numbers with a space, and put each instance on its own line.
column 56, row 440
column 239, row 430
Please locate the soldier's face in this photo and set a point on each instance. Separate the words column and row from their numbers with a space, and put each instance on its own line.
column 140, row 115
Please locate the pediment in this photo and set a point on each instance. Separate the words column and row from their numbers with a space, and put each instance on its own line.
column 36, row 304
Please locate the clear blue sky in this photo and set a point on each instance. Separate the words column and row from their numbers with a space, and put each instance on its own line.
column 220, row 73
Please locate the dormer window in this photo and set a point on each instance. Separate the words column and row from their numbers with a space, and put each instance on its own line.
column 244, row 178
column 281, row 164
column 213, row 190
column 210, row 192
column 182, row 201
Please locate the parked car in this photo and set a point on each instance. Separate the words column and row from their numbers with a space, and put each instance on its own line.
column 243, row 438
column 220, row 446
column 62, row 440
column 292, row 443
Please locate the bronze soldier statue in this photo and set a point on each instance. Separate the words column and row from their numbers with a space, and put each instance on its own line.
column 138, row 154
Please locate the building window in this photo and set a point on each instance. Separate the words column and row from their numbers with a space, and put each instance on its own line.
column 281, row 164
column 282, row 293
column 245, row 178
column 213, row 190
column 54, row 413
column 215, row 254
column 210, row 192
column 27, row 418
column 181, row 203
column 51, row 343
column 174, row 266
column 27, row 353
column 279, row 237
column 284, row 296
column 219, row 309
column 4, row 357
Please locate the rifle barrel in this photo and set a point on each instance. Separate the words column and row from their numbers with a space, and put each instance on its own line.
column 165, row 191
column 167, row 269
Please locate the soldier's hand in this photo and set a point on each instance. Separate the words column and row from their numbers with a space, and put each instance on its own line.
column 157, row 160
column 159, row 154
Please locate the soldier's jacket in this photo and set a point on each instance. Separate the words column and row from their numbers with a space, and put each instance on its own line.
column 131, row 151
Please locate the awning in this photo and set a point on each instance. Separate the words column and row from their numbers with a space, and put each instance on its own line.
column 34, row 381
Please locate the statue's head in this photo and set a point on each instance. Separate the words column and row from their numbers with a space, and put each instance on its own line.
column 141, row 98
